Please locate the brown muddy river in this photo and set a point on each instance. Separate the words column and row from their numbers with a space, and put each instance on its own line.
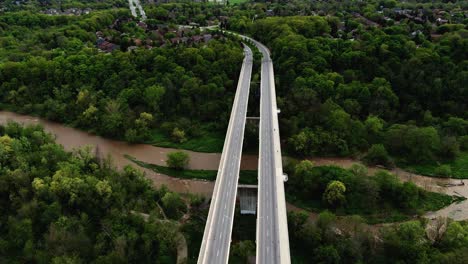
column 72, row 138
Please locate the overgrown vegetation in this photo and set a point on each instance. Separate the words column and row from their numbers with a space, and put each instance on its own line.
column 457, row 168
column 350, row 240
column 361, row 74
column 383, row 80
column 50, row 66
column 60, row 207
column 177, row 160
column 378, row 198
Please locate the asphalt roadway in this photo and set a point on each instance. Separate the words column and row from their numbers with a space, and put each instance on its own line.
column 272, row 230
column 217, row 236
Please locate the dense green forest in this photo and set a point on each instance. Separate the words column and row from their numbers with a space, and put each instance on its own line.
column 382, row 80
column 333, row 240
column 60, row 207
column 72, row 207
column 347, row 83
column 50, row 67
column 36, row 5
column 352, row 79
column 377, row 198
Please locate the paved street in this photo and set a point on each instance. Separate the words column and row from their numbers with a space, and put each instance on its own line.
column 217, row 237
column 272, row 229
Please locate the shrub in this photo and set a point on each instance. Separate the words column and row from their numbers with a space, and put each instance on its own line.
column 167, row 128
column 378, row 155
column 443, row 171
column 177, row 160
column 463, row 140
column 178, row 135
column 334, row 194
column 449, row 148
column 173, row 204
column 131, row 135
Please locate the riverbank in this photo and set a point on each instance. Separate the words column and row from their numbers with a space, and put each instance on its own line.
column 245, row 176
column 453, row 187
column 72, row 138
column 458, row 167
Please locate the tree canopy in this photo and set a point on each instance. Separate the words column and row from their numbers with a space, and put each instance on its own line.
column 57, row 206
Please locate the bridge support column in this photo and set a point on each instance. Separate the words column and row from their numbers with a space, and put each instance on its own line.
column 247, row 195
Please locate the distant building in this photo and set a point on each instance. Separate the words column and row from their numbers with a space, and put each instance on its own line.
column 105, row 45
column 207, row 37
column 197, row 39
column 143, row 25
column 441, row 21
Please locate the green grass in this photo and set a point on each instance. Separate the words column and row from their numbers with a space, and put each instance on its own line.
column 206, row 142
column 435, row 201
column 245, row 176
column 233, row 2
column 459, row 167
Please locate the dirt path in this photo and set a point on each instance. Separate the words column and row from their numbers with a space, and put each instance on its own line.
column 182, row 251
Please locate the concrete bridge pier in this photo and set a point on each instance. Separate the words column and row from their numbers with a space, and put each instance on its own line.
column 247, row 195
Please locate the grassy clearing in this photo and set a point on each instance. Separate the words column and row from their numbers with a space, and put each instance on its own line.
column 245, row 176
column 206, row 142
column 459, row 167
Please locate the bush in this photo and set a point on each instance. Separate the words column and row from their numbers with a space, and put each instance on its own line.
column 131, row 135
column 443, row 171
column 463, row 140
column 334, row 194
column 414, row 144
column 178, row 135
column 177, row 160
column 174, row 206
column 167, row 128
column 449, row 148
column 378, row 155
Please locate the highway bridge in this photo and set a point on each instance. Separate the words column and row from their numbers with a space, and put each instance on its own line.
column 272, row 229
column 217, row 236
column 272, row 225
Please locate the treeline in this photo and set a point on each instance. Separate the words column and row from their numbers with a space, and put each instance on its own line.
column 24, row 35
column 11, row 22
column 376, row 10
column 378, row 198
column 123, row 95
column 349, row 240
column 36, row 5
column 344, row 86
column 186, row 13
column 60, row 207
